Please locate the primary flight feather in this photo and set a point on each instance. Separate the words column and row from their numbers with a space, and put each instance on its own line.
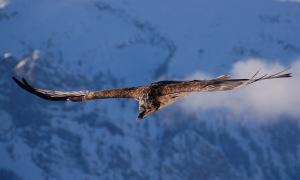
column 151, row 97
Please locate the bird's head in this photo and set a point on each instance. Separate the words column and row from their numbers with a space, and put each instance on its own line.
column 144, row 111
column 147, row 105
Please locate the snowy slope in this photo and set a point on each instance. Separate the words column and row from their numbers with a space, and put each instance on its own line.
column 105, row 44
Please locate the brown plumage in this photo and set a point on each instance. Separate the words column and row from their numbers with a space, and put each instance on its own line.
column 154, row 96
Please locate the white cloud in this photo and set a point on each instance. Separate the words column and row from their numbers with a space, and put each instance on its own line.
column 265, row 99
column 3, row 3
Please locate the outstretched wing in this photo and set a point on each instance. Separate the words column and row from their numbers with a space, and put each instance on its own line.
column 77, row 96
column 221, row 83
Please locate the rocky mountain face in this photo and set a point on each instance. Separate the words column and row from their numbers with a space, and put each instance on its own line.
column 98, row 44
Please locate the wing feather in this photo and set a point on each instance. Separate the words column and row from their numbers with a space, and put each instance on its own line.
column 76, row 96
column 218, row 84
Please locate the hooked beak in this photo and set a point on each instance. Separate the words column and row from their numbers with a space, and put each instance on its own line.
column 141, row 115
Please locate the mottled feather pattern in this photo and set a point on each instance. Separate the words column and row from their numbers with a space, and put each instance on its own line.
column 154, row 96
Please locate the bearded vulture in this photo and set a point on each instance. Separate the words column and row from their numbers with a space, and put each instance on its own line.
column 154, row 96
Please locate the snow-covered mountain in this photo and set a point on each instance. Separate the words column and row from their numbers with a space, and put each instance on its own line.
column 99, row 44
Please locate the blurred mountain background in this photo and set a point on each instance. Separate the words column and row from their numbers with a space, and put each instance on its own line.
column 250, row 133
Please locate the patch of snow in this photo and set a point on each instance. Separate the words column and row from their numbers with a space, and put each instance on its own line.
column 3, row 3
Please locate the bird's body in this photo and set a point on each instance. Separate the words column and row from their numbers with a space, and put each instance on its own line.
column 151, row 97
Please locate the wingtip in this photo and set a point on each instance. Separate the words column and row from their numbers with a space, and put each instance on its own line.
column 44, row 94
column 18, row 82
column 24, row 81
column 289, row 75
column 24, row 85
column 15, row 79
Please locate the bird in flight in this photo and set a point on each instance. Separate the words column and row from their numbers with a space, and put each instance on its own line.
column 154, row 96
